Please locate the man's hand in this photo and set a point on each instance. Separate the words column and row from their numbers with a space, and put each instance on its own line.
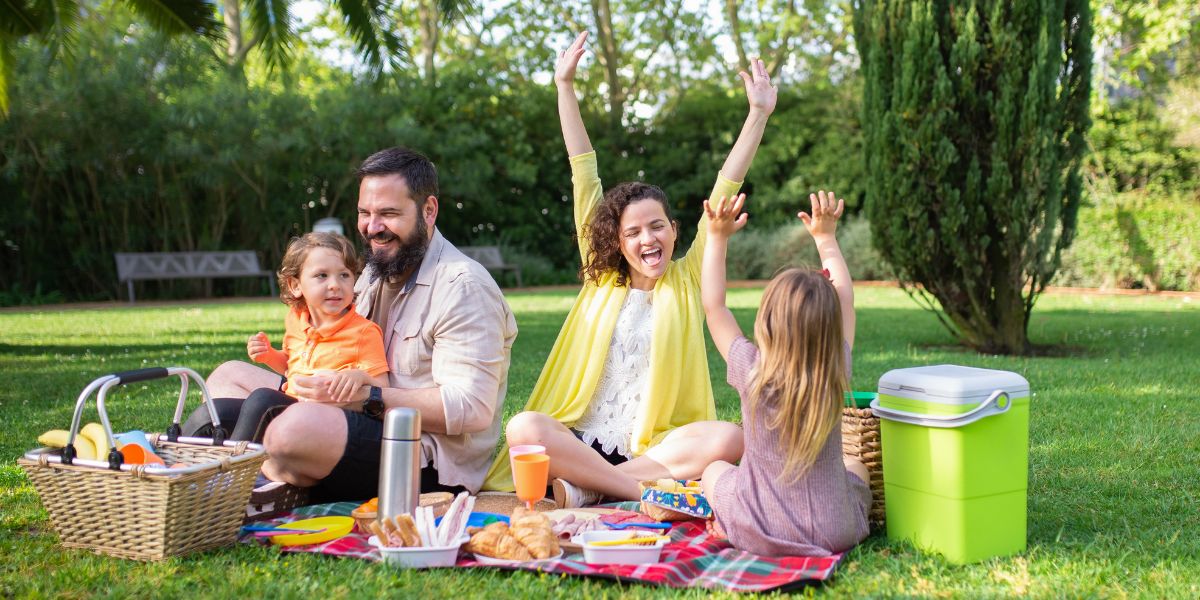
column 312, row 388
column 257, row 345
column 759, row 91
column 826, row 210
column 726, row 218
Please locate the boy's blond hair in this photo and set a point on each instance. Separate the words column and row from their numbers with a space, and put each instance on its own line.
column 801, row 373
column 297, row 252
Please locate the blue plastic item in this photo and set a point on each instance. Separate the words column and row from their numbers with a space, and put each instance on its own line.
column 480, row 519
column 642, row 525
column 133, row 437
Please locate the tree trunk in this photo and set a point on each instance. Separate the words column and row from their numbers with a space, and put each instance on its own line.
column 735, row 32
column 235, row 48
column 610, row 61
column 430, row 33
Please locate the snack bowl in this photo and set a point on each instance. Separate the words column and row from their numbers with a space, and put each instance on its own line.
column 631, row 554
column 366, row 514
column 420, row 557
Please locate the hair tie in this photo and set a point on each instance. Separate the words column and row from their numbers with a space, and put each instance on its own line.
column 825, row 272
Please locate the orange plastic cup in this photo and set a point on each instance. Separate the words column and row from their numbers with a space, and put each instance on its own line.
column 136, row 454
column 530, row 475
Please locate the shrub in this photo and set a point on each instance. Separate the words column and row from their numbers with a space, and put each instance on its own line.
column 758, row 253
column 1136, row 240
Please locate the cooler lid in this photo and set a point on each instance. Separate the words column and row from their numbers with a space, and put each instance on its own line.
column 950, row 382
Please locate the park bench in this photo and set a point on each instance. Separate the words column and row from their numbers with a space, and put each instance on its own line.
column 140, row 266
column 489, row 257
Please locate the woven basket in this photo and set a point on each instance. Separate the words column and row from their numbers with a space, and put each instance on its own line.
column 133, row 514
column 860, row 441
column 147, row 512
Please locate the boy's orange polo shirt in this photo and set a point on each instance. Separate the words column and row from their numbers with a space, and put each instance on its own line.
column 350, row 342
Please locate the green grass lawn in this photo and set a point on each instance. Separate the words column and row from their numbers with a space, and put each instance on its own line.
column 1114, row 486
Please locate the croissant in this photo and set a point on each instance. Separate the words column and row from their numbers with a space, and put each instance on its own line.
column 541, row 543
column 497, row 541
column 523, row 517
column 534, row 531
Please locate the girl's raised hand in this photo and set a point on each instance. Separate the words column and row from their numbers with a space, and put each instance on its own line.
column 568, row 61
column 826, row 210
column 759, row 91
column 726, row 218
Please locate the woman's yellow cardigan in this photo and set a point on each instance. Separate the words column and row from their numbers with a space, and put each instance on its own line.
column 678, row 391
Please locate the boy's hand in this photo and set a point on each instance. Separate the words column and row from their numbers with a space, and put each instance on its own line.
column 726, row 218
column 344, row 384
column 759, row 91
column 568, row 61
column 826, row 210
column 257, row 345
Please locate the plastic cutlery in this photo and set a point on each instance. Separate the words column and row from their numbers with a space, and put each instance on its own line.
column 636, row 541
column 663, row 526
column 275, row 532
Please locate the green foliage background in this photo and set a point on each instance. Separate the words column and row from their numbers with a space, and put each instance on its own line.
column 128, row 141
column 147, row 145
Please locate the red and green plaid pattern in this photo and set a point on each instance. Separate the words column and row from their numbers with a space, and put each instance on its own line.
column 691, row 559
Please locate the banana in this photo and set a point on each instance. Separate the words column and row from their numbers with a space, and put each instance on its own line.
column 57, row 438
column 95, row 433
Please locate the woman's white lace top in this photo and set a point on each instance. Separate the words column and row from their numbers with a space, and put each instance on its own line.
column 609, row 416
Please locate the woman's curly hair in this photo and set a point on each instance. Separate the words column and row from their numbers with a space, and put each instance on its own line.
column 603, row 233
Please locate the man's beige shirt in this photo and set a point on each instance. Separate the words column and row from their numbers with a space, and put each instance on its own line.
column 448, row 326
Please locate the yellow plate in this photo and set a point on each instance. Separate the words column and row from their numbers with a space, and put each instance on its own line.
column 335, row 527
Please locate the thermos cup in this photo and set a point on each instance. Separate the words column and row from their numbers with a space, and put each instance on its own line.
column 399, row 463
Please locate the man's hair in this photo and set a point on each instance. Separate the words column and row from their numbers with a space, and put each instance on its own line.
column 418, row 171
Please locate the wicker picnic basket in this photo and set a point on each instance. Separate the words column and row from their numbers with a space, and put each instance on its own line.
column 860, row 441
column 145, row 512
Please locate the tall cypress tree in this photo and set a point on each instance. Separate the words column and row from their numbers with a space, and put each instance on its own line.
column 974, row 115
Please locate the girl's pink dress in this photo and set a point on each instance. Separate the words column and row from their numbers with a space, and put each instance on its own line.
column 822, row 513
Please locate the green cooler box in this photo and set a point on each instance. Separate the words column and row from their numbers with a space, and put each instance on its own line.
column 955, row 459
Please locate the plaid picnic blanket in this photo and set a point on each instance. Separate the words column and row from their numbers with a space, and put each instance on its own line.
column 690, row 559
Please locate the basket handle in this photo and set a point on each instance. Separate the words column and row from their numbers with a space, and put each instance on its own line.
column 106, row 382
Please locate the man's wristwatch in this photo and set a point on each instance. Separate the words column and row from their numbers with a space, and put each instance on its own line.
column 373, row 407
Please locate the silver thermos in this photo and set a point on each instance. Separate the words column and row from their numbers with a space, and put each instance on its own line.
column 399, row 463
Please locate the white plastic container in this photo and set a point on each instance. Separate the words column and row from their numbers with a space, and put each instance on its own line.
column 631, row 554
column 421, row 557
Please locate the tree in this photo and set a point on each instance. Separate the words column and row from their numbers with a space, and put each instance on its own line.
column 54, row 21
column 974, row 115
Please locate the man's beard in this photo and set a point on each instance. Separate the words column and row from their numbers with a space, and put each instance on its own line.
column 407, row 258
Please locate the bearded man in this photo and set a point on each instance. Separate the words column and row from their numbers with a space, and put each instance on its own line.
column 448, row 335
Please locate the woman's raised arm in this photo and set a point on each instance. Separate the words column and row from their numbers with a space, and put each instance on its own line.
column 574, row 132
column 762, row 96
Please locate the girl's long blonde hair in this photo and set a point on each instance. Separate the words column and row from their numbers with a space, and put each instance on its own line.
column 801, row 372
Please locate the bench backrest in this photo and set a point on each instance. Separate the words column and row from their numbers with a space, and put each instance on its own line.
column 182, row 265
column 488, row 256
